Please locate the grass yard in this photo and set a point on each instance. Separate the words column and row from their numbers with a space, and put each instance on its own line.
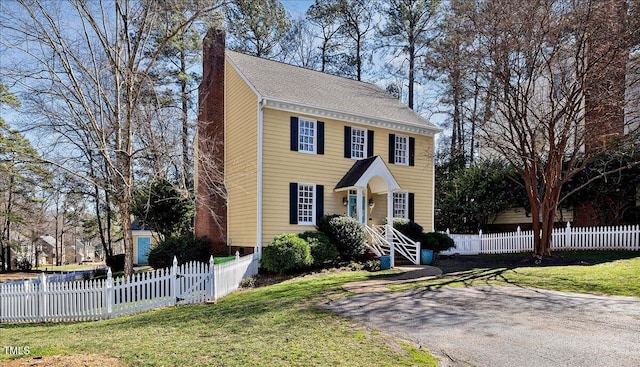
column 281, row 324
column 278, row 325
column 595, row 272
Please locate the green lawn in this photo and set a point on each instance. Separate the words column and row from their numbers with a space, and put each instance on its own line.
column 281, row 325
column 596, row 272
column 278, row 325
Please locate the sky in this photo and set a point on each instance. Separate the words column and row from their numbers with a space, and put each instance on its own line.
column 297, row 7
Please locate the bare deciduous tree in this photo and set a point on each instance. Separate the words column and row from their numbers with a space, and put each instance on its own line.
column 93, row 61
column 559, row 69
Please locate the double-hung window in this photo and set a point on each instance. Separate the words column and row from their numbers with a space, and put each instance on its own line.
column 306, row 135
column 401, row 150
column 400, row 205
column 306, row 203
column 358, row 143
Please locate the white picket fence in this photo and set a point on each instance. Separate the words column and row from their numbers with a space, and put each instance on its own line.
column 579, row 238
column 44, row 301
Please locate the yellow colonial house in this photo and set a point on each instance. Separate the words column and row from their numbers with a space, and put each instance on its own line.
column 299, row 144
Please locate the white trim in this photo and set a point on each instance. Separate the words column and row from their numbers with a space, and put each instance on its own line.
column 433, row 196
column 407, row 127
column 259, row 177
column 225, row 151
column 378, row 168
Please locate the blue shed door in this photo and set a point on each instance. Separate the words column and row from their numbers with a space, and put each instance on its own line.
column 144, row 246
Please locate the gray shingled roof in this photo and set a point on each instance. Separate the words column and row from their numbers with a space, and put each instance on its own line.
column 288, row 83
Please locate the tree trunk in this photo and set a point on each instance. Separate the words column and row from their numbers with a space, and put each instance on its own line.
column 127, row 238
column 358, row 57
column 412, row 62
column 184, row 96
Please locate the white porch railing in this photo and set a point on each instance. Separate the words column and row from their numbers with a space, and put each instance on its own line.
column 384, row 239
column 377, row 243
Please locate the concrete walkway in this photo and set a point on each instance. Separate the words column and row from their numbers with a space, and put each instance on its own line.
column 411, row 273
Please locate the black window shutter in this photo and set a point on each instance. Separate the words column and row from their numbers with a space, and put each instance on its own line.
column 294, row 134
column 392, row 148
column 293, row 203
column 369, row 143
column 410, row 206
column 412, row 151
column 319, row 202
column 320, row 135
column 347, row 142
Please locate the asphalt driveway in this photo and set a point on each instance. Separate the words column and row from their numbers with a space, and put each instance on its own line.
column 506, row 326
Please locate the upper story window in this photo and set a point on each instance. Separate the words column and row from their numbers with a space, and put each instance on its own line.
column 401, row 150
column 358, row 143
column 306, row 135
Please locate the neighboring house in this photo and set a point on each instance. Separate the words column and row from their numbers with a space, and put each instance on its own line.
column 143, row 239
column 46, row 250
column 292, row 144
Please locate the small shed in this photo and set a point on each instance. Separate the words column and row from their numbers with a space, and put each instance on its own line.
column 143, row 240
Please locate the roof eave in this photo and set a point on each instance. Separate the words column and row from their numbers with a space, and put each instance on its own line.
column 404, row 126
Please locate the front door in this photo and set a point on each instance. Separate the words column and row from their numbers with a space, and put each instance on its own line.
column 353, row 212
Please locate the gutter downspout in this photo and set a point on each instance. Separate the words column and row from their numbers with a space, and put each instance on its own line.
column 261, row 105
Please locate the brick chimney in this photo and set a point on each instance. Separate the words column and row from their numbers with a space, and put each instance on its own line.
column 211, row 203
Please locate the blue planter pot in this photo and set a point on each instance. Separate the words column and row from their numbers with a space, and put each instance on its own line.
column 385, row 262
column 426, row 257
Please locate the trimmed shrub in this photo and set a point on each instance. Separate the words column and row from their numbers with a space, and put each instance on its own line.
column 287, row 252
column 437, row 242
column 433, row 240
column 185, row 248
column 324, row 225
column 323, row 251
column 22, row 264
column 410, row 229
column 115, row 262
column 346, row 233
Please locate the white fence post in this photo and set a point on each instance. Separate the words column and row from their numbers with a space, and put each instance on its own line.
column 567, row 236
column 480, row 240
column 519, row 239
column 44, row 299
column 212, row 278
column 108, row 294
column 174, row 281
